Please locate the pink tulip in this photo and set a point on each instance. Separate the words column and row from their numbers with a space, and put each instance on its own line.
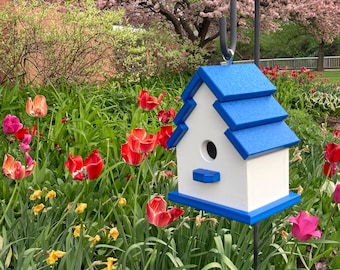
column 304, row 226
column 15, row 170
column 37, row 107
column 25, row 144
column 11, row 124
column 336, row 194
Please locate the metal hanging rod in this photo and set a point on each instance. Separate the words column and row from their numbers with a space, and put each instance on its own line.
column 228, row 53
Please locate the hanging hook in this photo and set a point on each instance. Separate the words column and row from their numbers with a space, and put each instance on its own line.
column 228, row 53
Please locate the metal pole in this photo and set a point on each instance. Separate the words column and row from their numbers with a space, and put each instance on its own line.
column 257, row 33
column 256, row 242
column 257, row 25
column 228, row 53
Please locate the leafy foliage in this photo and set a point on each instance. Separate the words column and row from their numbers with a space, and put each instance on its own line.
column 76, row 44
column 82, row 118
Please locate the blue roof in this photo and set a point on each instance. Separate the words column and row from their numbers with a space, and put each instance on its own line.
column 254, row 118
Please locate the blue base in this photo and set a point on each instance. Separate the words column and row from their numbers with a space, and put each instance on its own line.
column 250, row 218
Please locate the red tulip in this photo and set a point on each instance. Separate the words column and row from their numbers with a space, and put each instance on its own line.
column 90, row 169
column 15, row 170
column 140, row 142
column 164, row 116
column 304, row 226
column 158, row 215
column 164, row 135
column 37, row 107
column 147, row 102
column 94, row 165
column 336, row 194
column 11, row 124
column 131, row 157
column 332, row 152
column 332, row 156
column 75, row 166
column 336, row 133
column 20, row 134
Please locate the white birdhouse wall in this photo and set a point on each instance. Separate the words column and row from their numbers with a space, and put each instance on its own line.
column 244, row 184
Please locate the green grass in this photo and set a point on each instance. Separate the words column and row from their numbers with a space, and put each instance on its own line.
column 332, row 75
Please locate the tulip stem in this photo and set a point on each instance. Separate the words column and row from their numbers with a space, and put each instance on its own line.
column 154, row 251
column 291, row 256
column 10, row 201
column 136, row 195
column 37, row 153
column 315, row 256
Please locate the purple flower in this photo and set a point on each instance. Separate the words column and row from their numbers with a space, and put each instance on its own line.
column 11, row 124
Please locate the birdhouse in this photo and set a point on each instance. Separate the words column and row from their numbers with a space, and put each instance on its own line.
column 232, row 145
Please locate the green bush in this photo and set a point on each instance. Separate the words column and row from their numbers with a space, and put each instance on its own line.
column 77, row 44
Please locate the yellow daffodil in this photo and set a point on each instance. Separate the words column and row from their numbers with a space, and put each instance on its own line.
column 54, row 256
column 50, row 195
column 94, row 240
column 38, row 208
column 80, row 208
column 35, row 195
column 109, row 263
column 114, row 233
column 76, row 231
column 122, row 202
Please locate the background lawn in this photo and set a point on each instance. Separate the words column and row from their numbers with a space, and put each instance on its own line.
column 332, row 75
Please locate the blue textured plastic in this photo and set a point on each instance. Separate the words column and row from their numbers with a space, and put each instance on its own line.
column 250, row 218
column 255, row 141
column 250, row 112
column 233, row 82
column 205, row 176
column 192, row 87
column 185, row 111
column 177, row 135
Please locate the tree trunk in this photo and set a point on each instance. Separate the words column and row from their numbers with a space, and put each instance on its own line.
column 321, row 56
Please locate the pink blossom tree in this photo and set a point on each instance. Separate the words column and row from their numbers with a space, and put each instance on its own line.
column 320, row 18
column 195, row 20
column 198, row 20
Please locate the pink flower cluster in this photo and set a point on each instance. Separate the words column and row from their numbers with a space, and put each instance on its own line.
column 12, row 126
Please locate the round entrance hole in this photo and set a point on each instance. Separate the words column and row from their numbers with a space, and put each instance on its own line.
column 208, row 150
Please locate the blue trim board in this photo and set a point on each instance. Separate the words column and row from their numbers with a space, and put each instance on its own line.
column 205, row 176
column 177, row 135
column 192, row 87
column 185, row 111
column 250, row 218
column 250, row 112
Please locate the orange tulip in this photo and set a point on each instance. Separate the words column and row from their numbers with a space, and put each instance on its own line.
column 14, row 170
column 37, row 107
